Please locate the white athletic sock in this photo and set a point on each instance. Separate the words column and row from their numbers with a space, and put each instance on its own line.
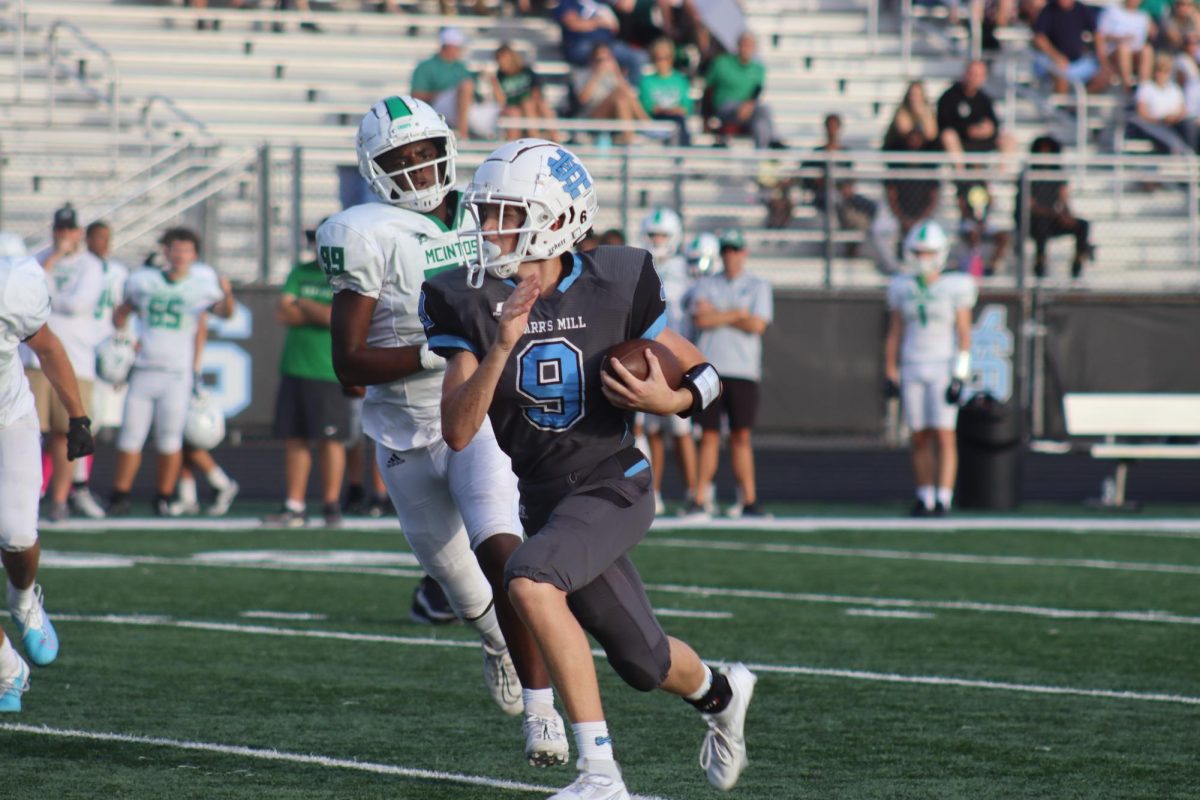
column 488, row 628
column 705, row 685
column 218, row 479
column 538, row 701
column 10, row 662
column 21, row 598
column 592, row 741
column 187, row 490
column 81, row 471
column 926, row 495
column 945, row 496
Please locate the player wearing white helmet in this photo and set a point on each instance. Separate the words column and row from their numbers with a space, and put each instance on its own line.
column 703, row 254
column 927, row 359
column 662, row 235
column 525, row 330
column 24, row 309
column 449, row 503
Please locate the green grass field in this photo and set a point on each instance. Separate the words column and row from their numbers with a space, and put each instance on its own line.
column 893, row 662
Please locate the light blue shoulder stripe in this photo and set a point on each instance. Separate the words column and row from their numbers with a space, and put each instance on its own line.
column 656, row 327
column 451, row 343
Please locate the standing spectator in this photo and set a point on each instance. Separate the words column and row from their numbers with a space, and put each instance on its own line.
column 1050, row 212
column 731, row 311
column 1162, row 115
column 734, row 84
column 1063, row 53
column 967, row 118
column 665, row 93
column 927, row 355
column 310, row 405
column 520, row 90
column 1127, row 31
column 445, row 82
column 603, row 92
column 76, row 283
column 587, row 23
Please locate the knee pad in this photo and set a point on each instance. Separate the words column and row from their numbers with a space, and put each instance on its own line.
column 643, row 668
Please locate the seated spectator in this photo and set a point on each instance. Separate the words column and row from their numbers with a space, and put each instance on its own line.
column 445, row 82
column 914, row 111
column 1182, row 25
column 977, row 230
column 966, row 117
column 854, row 212
column 641, row 22
column 603, row 92
column 1126, row 30
column 1050, row 213
column 734, row 84
column 1162, row 115
column 587, row 23
column 519, row 89
column 909, row 201
column 1063, row 54
column 665, row 93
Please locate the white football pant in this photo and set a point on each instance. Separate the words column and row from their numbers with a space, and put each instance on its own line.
column 20, row 482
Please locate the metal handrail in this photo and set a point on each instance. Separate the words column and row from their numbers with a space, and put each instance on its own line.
column 173, row 107
column 114, row 79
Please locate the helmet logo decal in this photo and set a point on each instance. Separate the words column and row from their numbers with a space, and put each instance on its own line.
column 570, row 173
column 397, row 108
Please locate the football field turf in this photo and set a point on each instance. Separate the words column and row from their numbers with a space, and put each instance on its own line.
column 976, row 658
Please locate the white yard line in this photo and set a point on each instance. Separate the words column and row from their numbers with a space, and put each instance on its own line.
column 914, row 555
column 294, row 616
column 686, row 614
column 292, row 758
column 885, row 614
column 264, row 630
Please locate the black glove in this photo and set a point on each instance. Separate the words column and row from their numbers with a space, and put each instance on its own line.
column 79, row 438
column 891, row 389
column 954, row 391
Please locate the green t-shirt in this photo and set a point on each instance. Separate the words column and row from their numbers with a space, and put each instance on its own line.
column 436, row 76
column 669, row 91
column 732, row 81
column 308, row 349
column 1157, row 9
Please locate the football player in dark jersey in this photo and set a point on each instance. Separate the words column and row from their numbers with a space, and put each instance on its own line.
column 524, row 329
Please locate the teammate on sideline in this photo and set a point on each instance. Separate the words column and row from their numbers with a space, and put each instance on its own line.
column 927, row 355
column 24, row 309
column 525, row 334
column 449, row 503
column 170, row 302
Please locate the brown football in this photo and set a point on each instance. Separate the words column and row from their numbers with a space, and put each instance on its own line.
column 631, row 354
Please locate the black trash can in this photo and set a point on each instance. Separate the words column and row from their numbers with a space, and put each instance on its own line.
column 989, row 454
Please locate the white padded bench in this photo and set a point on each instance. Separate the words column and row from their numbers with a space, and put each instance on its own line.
column 1114, row 416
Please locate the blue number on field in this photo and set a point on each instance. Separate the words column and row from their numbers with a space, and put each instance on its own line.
column 550, row 376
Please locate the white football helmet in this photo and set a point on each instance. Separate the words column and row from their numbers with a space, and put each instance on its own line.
column 394, row 122
column 11, row 245
column 703, row 254
column 926, row 249
column 205, row 425
column 551, row 187
column 662, row 221
column 114, row 359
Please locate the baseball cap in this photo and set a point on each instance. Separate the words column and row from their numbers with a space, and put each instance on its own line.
column 452, row 37
column 65, row 218
column 732, row 238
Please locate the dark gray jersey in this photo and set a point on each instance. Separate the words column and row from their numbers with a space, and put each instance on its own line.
column 549, row 414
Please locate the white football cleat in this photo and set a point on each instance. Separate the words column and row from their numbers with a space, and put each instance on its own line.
column 501, row 678
column 224, row 499
column 598, row 780
column 13, row 686
column 545, row 740
column 723, row 754
column 83, row 502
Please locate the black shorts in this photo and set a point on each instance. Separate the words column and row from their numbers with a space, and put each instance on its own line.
column 738, row 401
column 311, row 410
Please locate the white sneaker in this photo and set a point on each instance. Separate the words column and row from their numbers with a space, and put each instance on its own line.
column 501, row 678
column 723, row 754
column 82, row 501
column 598, row 780
column 182, row 508
column 660, row 507
column 224, row 500
column 545, row 740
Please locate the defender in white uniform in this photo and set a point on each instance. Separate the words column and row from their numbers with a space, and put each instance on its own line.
column 24, row 309
column 170, row 304
column 928, row 354
column 376, row 256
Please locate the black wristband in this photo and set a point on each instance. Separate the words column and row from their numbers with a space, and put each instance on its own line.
column 84, row 421
column 704, row 383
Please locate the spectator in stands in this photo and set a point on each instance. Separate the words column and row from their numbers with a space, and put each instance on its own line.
column 310, row 406
column 731, row 312
column 1050, row 212
column 909, row 201
column 665, row 93
column 1182, row 26
column 734, row 85
column 603, row 92
column 1063, row 53
column 519, row 89
column 1127, row 31
column 967, row 118
column 587, row 23
column 854, row 212
column 914, row 112
column 977, row 229
column 76, row 283
column 445, row 82
column 1162, row 115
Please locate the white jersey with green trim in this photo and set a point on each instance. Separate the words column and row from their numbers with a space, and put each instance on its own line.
column 928, row 310
column 24, row 309
column 170, row 312
column 383, row 252
column 115, row 276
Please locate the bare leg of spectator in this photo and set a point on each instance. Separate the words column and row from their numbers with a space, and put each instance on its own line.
column 513, row 112
column 297, row 463
column 741, row 458
column 706, row 472
column 333, row 467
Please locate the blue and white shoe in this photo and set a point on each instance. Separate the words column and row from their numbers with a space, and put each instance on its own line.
column 37, row 634
column 12, row 688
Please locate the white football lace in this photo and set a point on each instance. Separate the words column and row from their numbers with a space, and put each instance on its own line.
column 716, row 745
column 31, row 618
